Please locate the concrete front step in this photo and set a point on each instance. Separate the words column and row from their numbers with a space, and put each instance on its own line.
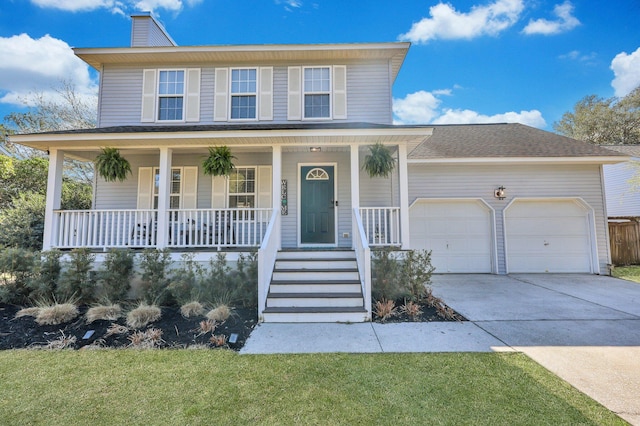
column 330, row 264
column 324, row 286
column 282, row 300
column 315, row 314
column 318, row 274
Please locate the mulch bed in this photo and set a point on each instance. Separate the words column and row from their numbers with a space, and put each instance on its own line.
column 177, row 331
column 429, row 314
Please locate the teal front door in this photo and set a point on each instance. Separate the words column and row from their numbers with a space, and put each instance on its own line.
column 317, row 205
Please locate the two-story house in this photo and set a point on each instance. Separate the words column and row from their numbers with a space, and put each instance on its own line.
column 300, row 119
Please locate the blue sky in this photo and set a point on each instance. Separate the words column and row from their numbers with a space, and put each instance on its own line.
column 471, row 61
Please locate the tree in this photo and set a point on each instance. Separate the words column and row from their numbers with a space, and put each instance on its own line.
column 600, row 121
column 68, row 112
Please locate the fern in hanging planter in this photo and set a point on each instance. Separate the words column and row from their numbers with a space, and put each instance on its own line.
column 112, row 166
column 219, row 162
column 379, row 162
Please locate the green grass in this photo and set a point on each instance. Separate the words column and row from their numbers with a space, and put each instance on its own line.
column 631, row 273
column 221, row 387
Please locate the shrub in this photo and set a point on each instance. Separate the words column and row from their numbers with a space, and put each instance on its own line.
column 146, row 339
column 416, row 272
column 116, row 273
column 218, row 340
column 217, row 284
column 103, row 312
column 143, row 315
column 386, row 277
column 154, row 265
column 186, row 280
column 58, row 313
column 46, row 274
column 411, row 309
column 220, row 313
column 76, row 280
column 192, row 309
column 22, row 223
column 385, row 309
column 16, row 268
column 245, row 278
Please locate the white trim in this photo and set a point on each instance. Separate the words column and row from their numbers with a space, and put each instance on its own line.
column 492, row 225
column 335, row 208
column 591, row 224
column 605, row 216
column 53, row 196
column 521, row 160
column 403, row 183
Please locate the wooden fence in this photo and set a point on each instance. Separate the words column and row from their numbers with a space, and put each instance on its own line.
column 624, row 239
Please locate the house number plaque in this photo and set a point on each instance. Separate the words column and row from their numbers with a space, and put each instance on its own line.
column 284, row 205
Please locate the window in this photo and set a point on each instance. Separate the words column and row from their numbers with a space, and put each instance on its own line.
column 171, row 95
column 242, row 187
column 175, row 187
column 317, row 92
column 243, row 94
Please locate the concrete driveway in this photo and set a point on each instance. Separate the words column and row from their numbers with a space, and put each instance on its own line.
column 584, row 328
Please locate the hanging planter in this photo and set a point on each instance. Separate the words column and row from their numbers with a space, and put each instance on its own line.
column 219, row 162
column 379, row 162
column 112, row 166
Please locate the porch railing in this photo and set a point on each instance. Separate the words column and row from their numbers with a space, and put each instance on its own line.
column 139, row 228
column 381, row 225
column 363, row 258
column 267, row 254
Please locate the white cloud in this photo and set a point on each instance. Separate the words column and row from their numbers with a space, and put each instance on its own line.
column 119, row 6
column 447, row 23
column 626, row 68
column 565, row 21
column 38, row 65
column 576, row 55
column 458, row 116
column 416, row 108
column 423, row 107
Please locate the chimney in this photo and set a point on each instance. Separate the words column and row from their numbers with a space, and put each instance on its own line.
column 147, row 32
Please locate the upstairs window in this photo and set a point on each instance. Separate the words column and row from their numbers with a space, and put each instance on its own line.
column 243, row 94
column 317, row 92
column 171, row 95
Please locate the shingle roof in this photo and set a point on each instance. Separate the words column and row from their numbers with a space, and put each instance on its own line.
column 631, row 150
column 502, row 141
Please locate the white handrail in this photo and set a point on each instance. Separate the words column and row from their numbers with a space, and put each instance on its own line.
column 267, row 254
column 363, row 258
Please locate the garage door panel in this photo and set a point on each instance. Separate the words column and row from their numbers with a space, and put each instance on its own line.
column 457, row 232
column 547, row 236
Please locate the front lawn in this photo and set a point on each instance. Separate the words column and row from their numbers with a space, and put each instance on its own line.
column 221, row 387
column 631, row 273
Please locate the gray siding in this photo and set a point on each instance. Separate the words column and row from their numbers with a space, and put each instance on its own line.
column 123, row 195
column 536, row 181
column 622, row 200
column 368, row 93
column 145, row 33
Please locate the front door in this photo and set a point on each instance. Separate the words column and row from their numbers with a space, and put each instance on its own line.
column 317, row 205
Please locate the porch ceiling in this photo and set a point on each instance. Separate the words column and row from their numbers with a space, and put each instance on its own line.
column 87, row 145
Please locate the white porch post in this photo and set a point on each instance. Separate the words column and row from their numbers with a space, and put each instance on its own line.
column 54, row 195
column 276, row 180
column 355, row 186
column 403, row 180
column 163, row 197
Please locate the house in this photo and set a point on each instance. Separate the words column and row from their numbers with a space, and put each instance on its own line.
column 300, row 119
column 623, row 206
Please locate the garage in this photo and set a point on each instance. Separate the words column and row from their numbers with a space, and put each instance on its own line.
column 458, row 233
column 548, row 236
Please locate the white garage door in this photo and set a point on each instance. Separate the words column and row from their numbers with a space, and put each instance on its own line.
column 458, row 233
column 547, row 236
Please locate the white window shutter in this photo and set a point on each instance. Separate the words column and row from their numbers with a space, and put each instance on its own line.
column 148, row 96
column 264, row 187
column 339, row 92
column 145, row 188
column 193, row 95
column 265, row 109
column 221, row 97
column 190, row 188
column 294, row 98
column 219, row 192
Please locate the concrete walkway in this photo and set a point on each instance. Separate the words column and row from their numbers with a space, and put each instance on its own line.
column 584, row 328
